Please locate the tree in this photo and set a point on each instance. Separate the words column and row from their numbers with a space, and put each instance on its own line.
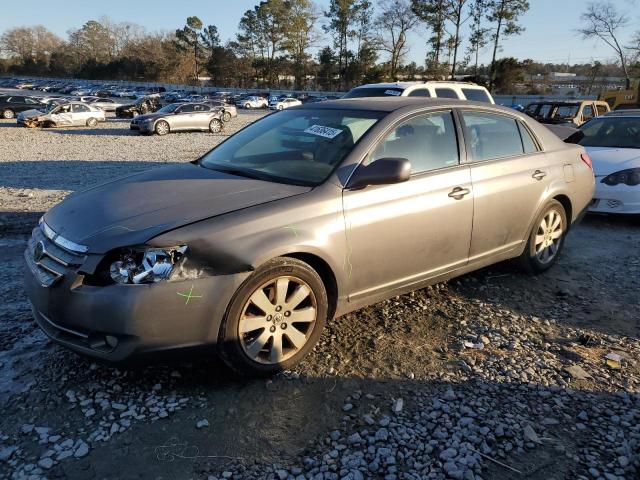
column 434, row 14
column 456, row 16
column 478, row 38
column 221, row 66
column 509, row 71
column 603, row 21
column 342, row 17
column 328, row 68
column 505, row 14
column 93, row 41
column 393, row 23
column 188, row 39
column 300, row 35
column 30, row 45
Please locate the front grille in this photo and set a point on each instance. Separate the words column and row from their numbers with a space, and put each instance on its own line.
column 52, row 261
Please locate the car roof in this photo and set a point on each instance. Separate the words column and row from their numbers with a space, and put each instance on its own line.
column 429, row 82
column 390, row 104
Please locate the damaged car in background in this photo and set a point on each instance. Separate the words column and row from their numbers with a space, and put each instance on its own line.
column 252, row 248
column 141, row 107
column 72, row 114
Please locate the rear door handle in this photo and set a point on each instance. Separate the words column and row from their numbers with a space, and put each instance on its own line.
column 459, row 192
column 539, row 174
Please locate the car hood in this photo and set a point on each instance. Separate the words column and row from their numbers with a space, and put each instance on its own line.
column 29, row 114
column 131, row 210
column 149, row 116
column 608, row 160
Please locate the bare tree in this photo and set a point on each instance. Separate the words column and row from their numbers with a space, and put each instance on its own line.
column 393, row 22
column 602, row 20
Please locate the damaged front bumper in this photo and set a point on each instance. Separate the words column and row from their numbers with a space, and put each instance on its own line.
column 116, row 321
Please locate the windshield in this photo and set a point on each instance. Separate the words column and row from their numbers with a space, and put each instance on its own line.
column 374, row 92
column 169, row 108
column 300, row 147
column 619, row 132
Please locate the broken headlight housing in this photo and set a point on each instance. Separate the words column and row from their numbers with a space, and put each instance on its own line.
column 145, row 265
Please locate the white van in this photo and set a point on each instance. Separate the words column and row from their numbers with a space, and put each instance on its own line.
column 436, row 89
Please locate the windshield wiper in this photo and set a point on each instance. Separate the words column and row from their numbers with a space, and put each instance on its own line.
column 238, row 172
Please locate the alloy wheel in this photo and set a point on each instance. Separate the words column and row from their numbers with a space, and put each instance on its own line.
column 549, row 236
column 162, row 128
column 215, row 126
column 7, row 114
column 277, row 320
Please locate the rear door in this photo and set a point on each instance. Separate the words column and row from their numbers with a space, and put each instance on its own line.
column 200, row 117
column 81, row 114
column 401, row 234
column 181, row 118
column 509, row 174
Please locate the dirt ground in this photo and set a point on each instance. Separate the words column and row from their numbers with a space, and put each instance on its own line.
column 186, row 416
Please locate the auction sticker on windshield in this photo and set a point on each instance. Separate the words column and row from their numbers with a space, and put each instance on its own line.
column 395, row 93
column 326, row 132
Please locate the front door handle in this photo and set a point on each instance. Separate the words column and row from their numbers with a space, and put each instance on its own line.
column 539, row 174
column 459, row 192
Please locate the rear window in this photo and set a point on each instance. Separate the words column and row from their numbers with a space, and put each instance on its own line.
column 361, row 92
column 446, row 93
column 476, row 94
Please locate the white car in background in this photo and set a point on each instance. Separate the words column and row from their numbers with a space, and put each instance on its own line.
column 253, row 102
column 284, row 103
column 72, row 114
column 613, row 144
column 108, row 104
column 428, row 89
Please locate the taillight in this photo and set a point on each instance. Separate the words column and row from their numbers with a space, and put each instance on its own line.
column 587, row 159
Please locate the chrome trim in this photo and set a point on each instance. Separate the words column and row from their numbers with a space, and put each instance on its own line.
column 61, row 241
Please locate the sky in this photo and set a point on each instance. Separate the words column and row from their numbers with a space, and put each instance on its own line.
column 550, row 25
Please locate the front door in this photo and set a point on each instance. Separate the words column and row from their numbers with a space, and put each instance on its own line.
column 398, row 235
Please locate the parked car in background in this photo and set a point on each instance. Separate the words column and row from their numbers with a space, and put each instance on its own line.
column 10, row 105
column 108, row 104
column 72, row 114
column 436, row 89
column 566, row 112
column 141, row 107
column 228, row 111
column 180, row 117
column 253, row 102
column 248, row 247
column 283, row 103
column 613, row 143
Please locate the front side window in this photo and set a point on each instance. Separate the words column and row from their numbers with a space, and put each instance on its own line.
column 492, row 135
column 429, row 142
column 17, row 100
column 587, row 113
column 300, row 147
column 186, row 109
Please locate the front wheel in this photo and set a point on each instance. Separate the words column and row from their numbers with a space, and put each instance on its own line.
column 8, row 114
column 215, row 126
column 275, row 318
column 546, row 239
column 247, row 106
column 162, row 127
column 92, row 122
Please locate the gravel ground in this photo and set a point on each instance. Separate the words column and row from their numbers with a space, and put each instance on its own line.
column 496, row 375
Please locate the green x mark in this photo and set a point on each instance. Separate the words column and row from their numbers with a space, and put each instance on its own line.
column 189, row 295
column 293, row 229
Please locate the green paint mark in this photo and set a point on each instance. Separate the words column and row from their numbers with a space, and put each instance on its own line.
column 293, row 229
column 189, row 295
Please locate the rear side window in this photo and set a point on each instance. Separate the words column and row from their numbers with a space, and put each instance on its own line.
column 476, row 94
column 492, row 136
column 80, row 108
column 420, row 92
column 446, row 93
column 601, row 109
column 529, row 144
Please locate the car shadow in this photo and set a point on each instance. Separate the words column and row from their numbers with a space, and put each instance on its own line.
column 80, row 174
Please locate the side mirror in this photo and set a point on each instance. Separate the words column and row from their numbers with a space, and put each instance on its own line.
column 385, row 171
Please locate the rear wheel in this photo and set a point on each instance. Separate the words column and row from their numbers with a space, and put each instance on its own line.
column 92, row 122
column 275, row 318
column 247, row 105
column 162, row 127
column 8, row 114
column 226, row 117
column 546, row 239
column 215, row 126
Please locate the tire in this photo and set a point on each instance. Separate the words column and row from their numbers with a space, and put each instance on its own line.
column 545, row 240
column 226, row 117
column 215, row 126
column 161, row 127
column 247, row 106
column 8, row 114
column 250, row 349
column 280, row 107
column 134, row 114
column 92, row 122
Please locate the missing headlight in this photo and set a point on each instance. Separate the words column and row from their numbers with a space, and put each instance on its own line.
column 145, row 265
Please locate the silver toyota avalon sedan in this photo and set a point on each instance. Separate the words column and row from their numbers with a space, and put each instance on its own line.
column 302, row 216
column 180, row 117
